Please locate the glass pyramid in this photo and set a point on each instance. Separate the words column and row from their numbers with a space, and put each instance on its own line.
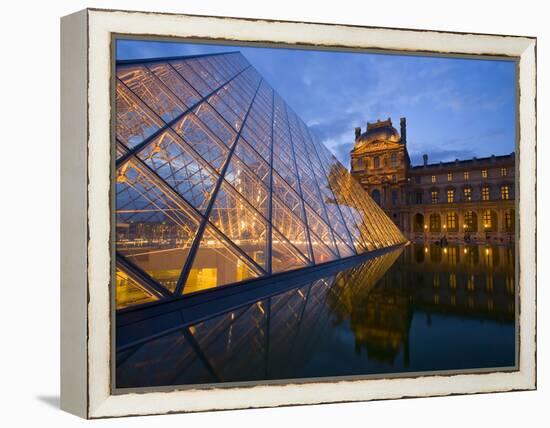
column 218, row 181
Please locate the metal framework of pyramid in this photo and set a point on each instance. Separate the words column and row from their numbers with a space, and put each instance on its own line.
column 218, row 181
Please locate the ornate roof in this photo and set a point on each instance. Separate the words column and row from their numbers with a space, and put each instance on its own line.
column 377, row 131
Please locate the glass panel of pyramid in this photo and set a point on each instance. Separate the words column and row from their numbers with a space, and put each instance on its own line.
column 154, row 228
column 218, row 263
column 219, row 181
column 130, row 292
column 181, row 168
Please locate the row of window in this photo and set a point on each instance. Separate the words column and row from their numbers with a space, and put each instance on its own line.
column 466, row 175
column 467, row 194
column 470, row 222
column 362, row 163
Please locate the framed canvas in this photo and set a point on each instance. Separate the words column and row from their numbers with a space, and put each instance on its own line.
column 264, row 213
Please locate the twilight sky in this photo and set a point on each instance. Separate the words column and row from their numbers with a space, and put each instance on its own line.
column 455, row 108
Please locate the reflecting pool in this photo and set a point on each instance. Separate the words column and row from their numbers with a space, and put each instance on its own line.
column 416, row 309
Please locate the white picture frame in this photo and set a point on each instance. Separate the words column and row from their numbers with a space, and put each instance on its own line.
column 86, row 72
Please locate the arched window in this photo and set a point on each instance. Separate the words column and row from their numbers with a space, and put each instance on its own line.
column 489, row 221
column 452, row 222
column 418, row 222
column 435, row 223
column 509, row 220
column 470, row 221
column 376, row 195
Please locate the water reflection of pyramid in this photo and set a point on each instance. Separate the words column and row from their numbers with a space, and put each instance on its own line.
column 277, row 337
column 219, row 181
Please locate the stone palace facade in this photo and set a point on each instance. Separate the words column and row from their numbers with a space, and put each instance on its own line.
column 464, row 200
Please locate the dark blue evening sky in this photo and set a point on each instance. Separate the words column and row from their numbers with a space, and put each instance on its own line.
column 455, row 108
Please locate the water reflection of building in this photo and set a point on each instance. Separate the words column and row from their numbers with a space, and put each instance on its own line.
column 380, row 318
column 469, row 280
column 277, row 337
column 470, row 200
column 219, row 181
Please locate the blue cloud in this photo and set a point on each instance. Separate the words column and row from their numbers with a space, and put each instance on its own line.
column 455, row 107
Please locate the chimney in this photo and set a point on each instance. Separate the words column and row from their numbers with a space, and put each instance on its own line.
column 425, row 157
column 357, row 133
column 403, row 130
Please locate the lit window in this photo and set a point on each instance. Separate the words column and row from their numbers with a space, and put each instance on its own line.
column 503, row 172
column 433, row 179
column 435, row 196
column 467, row 193
column 487, row 220
column 484, row 173
column 466, row 175
column 451, row 222
column 450, row 176
column 504, row 193
column 450, row 196
column 485, row 193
